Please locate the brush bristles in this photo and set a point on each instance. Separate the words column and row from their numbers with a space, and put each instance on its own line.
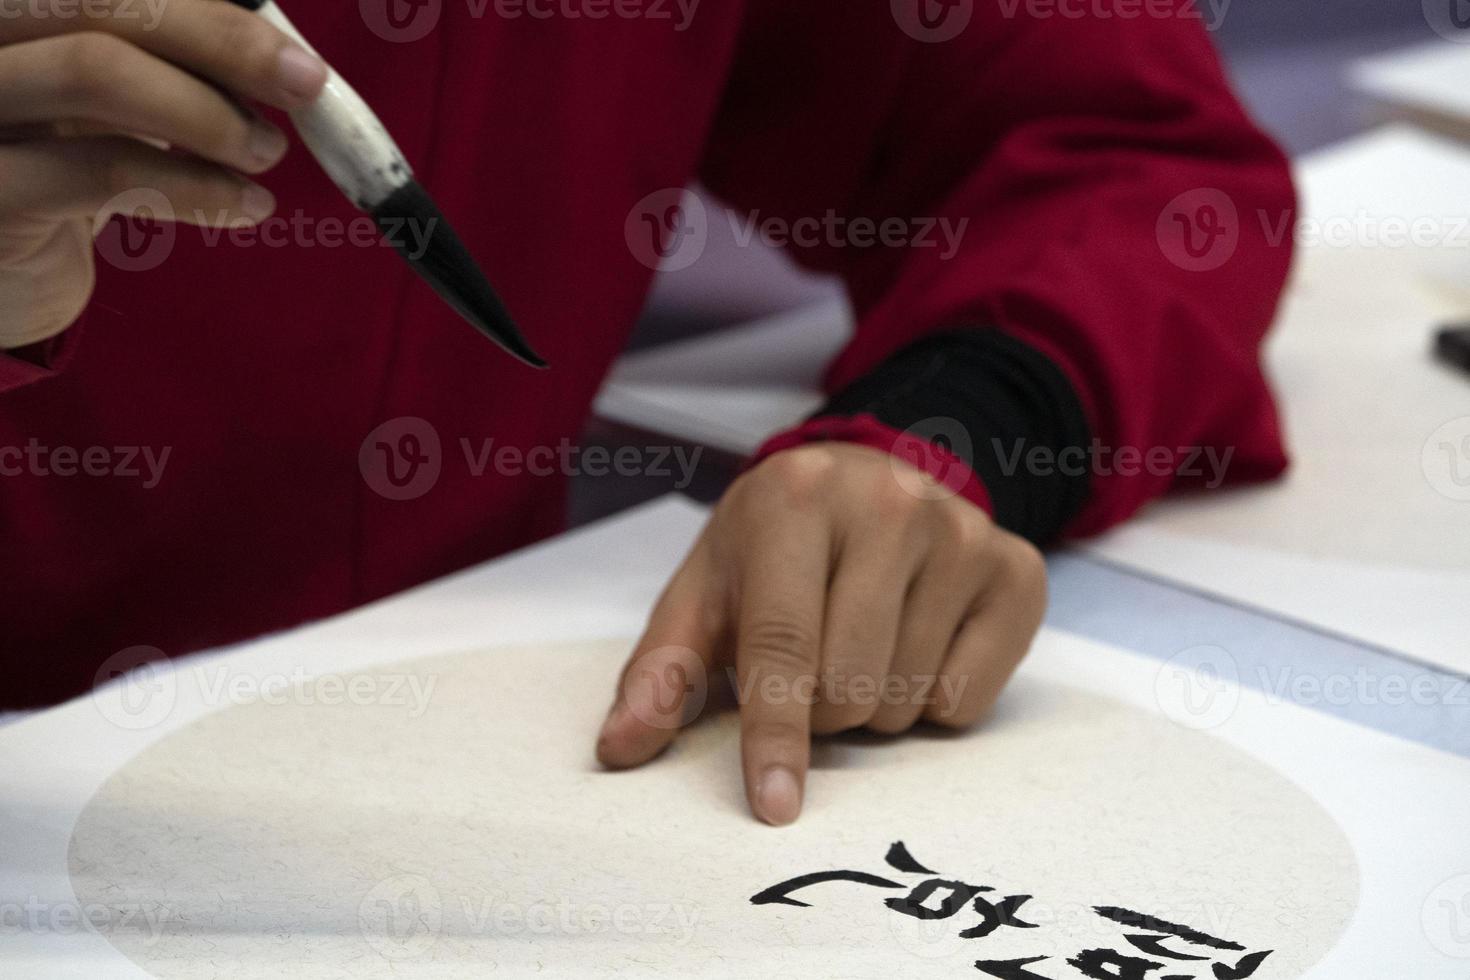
column 415, row 227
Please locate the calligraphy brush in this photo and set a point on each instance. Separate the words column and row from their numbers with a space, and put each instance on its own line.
column 356, row 151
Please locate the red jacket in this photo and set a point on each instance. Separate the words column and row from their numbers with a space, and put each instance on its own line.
column 261, row 369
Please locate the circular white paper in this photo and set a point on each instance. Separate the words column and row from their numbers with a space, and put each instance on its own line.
column 474, row 836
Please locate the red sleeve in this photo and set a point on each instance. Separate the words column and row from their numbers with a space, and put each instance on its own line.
column 1047, row 169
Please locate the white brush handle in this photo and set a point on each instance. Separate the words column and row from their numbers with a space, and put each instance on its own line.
column 343, row 134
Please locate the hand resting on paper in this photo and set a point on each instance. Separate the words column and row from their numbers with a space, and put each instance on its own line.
column 834, row 590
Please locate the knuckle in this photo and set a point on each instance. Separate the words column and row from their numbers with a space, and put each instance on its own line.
column 781, row 642
column 1028, row 567
column 802, row 474
column 244, row 43
column 772, row 731
column 89, row 64
column 967, row 528
column 892, row 500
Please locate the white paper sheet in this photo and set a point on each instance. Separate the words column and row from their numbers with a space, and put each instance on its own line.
column 1433, row 76
column 462, row 826
column 433, row 834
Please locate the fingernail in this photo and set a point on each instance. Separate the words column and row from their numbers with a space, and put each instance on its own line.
column 266, row 144
column 300, row 73
column 257, row 203
column 778, row 796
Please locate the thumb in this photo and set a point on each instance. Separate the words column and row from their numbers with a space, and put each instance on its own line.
column 665, row 683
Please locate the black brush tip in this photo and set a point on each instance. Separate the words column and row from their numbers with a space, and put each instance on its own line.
column 414, row 226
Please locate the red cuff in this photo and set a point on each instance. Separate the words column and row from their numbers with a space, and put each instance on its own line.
column 949, row 470
column 21, row 366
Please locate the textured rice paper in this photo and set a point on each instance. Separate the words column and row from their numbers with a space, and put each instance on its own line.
column 1368, row 534
column 468, row 833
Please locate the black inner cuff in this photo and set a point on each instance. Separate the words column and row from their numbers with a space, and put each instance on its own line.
column 998, row 403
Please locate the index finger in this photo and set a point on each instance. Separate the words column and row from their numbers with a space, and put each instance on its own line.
column 783, row 590
column 230, row 46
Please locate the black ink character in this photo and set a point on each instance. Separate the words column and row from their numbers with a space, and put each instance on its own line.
column 1110, row 964
column 933, row 898
column 1154, row 945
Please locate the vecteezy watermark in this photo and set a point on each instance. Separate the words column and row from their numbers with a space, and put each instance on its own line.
column 221, row 685
column 401, row 21
column 1199, row 230
column 1445, row 917
column 932, row 21
column 150, row 12
column 1364, row 230
column 859, row 690
column 1450, row 19
column 1446, row 459
column 1206, row 464
column 679, row 13
column 143, row 463
column 667, row 230
column 665, row 687
column 135, row 230
column 834, row 231
column 34, row 915
column 1288, row 684
column 406, row 21
column 932, row 458
column 402, row 917
column 138, row 687
column 1199, row 687
column 135, row 688
column 301, row 230
column 1209, row 12
column 403, row 458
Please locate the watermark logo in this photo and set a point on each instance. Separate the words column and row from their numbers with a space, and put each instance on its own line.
column 1210, row 12
column 401, row 917
column 139, row 922
column 931, row 458
column 1199, row 687
column 834, row 231
column 666, row 687
column 135, row 688
column 401, row 21
column 932, row 21
column 1450, row 19
column 1446, row 459
column 1199, row 230
column 667, row 230
column 1445, row 917
column 150, row 12
column 401, row 459
column 135, row 230
column 145, row 464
